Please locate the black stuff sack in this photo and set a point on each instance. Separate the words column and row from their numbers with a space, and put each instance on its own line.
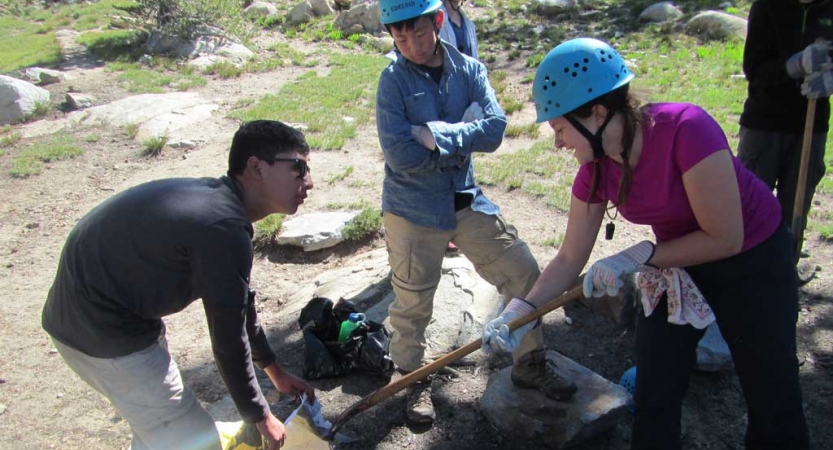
column 366, row 350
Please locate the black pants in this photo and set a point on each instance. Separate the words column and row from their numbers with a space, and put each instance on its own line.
column 754, row 296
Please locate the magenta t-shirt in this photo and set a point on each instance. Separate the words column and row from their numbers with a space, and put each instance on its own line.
column 679, row 136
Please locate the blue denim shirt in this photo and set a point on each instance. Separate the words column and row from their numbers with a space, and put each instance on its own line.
column 419, row 183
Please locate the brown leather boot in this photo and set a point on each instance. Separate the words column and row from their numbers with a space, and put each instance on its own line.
column 536, row 371
column 420, row 408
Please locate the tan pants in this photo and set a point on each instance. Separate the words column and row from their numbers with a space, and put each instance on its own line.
column 416, row 254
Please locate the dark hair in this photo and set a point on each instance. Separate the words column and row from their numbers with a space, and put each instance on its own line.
column 408, row 24
column 263, row 139
column 616, row 101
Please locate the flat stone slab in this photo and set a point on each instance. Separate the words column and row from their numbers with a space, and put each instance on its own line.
column 529, row 414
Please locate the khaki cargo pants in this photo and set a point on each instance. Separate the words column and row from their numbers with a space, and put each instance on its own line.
column 416, row 253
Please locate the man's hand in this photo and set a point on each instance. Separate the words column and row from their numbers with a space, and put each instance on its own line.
column 273, row 432
column 473, row 112
column 814, row 58
column 287, row 383
column 605, row 275
column 424, row 136
column 496, row 334
column 818, row 85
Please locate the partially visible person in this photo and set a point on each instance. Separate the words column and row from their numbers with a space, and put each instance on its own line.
column 458, row 30
column 721, row 251
column 786, row 60
column 152, row 250
column 434, row 109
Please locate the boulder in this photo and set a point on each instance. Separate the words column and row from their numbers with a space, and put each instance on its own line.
column 364, row 17
column 19, row 99
column 660, row 12
column 716, row 25
column 527, row 414
column 315, row 231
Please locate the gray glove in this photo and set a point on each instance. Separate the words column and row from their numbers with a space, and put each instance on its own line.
column 424, row 136
column 812, row 59
column 473, row 112
column 818, row 85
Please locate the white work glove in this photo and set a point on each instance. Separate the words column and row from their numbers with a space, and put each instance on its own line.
column 605, row 275
column 473, row 112
column 424, row 136
column 496, row 333
column 812, row 59
column 818, row 85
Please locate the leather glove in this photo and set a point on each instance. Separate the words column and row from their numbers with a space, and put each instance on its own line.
column 811, row 59
column 496, row 334
column 424, row 136
column 473, row 112
column 605, row 275
column 818, row 85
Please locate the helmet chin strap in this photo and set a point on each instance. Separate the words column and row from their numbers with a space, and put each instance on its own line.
column 595, row 140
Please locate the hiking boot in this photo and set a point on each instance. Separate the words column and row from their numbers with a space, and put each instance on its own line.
column 536, row 371
column 420, row 409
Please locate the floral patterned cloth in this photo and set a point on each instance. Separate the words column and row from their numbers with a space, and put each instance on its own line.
column 686, row 305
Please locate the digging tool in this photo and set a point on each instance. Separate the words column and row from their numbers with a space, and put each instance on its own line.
column 801, row 188
column 798, row 222
column 423, row 372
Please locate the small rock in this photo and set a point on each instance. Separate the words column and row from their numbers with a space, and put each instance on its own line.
column 2, row 409
column 568, row 320
column 59, row 395
column 53, row 351
column 33, row 225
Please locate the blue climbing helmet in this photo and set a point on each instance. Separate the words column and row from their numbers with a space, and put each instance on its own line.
column 628, row 380
column 392, row 11
column 575, row 72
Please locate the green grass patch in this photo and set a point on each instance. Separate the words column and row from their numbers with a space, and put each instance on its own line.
column 112, row 45
column 31, row 160
column 224, row 69
column 92, row 138
column 131, row 129
column 539, row 171
column 554, row 241
column 340, row 176
column 24, row 45
column 153, row 146
column 530, row 130
column 10, row 139
column 140, row 79
column 266, row 230
column 283, row 51
column 322, row 102
column 826, row 233
column 368, row 222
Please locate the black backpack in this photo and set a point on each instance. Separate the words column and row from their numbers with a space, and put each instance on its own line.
column 367, row 349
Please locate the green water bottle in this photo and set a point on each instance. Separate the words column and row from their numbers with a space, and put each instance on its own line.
column 347, row 327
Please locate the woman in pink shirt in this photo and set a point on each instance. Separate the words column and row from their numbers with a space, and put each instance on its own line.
column 718, row 235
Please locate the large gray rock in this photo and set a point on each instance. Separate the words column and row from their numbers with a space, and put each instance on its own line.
column 40, row 76
column 300, row 13
column 527, row 414
column 135, row 110
column 315, row 231
column 554, row 7
column 360, row 19
column 463, row 303
column 716, row 25
column 660, row 12
column 321, row 8
column 260, row 9
column 19, row 99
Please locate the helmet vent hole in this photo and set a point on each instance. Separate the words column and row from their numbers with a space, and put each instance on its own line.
column 584, row 69
column 575, row 74
column 576, row 65
column 566, row 70
column 546, row 110
column 558, row 105
column 549, row 102
column 553, row 84
column 617, row 75
column 586, row 60
column 545, row 87
column 547, row 78
column 589, row 90
column 603, row 60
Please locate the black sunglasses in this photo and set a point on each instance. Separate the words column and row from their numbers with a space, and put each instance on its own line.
column 300, row 165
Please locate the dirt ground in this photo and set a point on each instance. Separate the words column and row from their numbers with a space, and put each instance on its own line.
column 43, row 404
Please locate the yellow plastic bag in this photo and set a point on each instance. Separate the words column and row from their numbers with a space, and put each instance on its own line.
column 243, row 436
